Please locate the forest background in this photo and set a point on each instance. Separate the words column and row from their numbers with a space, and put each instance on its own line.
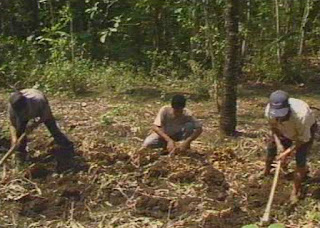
column 77, row 45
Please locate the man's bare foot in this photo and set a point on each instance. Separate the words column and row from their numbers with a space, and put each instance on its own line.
column 136, row 157
column 261, row 174
column 135, row 161
column 294, row 197
column 267, row 172
column 141, row 149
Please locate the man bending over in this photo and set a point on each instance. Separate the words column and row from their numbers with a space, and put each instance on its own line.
column 29, row 104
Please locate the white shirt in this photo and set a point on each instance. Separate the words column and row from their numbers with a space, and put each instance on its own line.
column 297, row 127
column 171, row 124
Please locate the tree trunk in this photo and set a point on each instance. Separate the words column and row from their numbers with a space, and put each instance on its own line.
column 34, row 11
column 244, row 44
column 71, row 27
column 208, row 34
column 228, row 118
column 303, row 25
column 277, row 30
column 156, row 37
column 2, row 20
column 193, row 15
column 52, row 19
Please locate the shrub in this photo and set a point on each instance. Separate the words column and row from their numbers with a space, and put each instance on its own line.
column 65, row 76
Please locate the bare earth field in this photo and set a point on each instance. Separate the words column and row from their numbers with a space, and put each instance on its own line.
column 212, row 185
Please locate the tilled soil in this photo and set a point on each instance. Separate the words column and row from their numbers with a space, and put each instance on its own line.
column 214, row 184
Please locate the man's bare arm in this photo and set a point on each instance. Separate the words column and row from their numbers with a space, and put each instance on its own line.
column 275, row 131
column 194, row 135
column 13, row 125
column 186, row 143
column 161, row 133
column 170, row 142
column 13, row 134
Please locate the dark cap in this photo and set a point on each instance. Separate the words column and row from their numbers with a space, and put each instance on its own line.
column 279, row 104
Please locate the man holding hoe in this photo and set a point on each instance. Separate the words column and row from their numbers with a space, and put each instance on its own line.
column 29, row 104
column 292, row 122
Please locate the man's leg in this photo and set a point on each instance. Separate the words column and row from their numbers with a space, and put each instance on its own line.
column 272, row 151
column 301, row 169
column 300, row 173
column 185, row 132
column 22, row 151
column 65, row 154
column 58, row 136
column 154, row 141
column 271, row 154
column 2, row 148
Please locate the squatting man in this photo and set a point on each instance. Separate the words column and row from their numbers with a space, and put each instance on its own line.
column 173, row 124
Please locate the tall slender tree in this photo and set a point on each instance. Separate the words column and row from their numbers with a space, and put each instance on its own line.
column 277, row 16
column 303, row 26
column 209, row 35
column 228, row 118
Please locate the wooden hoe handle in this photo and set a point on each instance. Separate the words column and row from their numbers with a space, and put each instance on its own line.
column 266, row 215
column 33, row 126
column 12, row 149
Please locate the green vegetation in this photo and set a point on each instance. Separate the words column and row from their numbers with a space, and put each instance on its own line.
column 78, row 45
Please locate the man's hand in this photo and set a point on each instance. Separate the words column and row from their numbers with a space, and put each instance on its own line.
column 284, row 156
column 33, row 126
column 183, row 146
column 171, row 147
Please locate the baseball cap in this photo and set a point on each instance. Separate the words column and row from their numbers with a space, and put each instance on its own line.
column 279, row 104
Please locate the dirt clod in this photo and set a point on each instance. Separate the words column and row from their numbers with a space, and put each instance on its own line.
column 37, row 171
